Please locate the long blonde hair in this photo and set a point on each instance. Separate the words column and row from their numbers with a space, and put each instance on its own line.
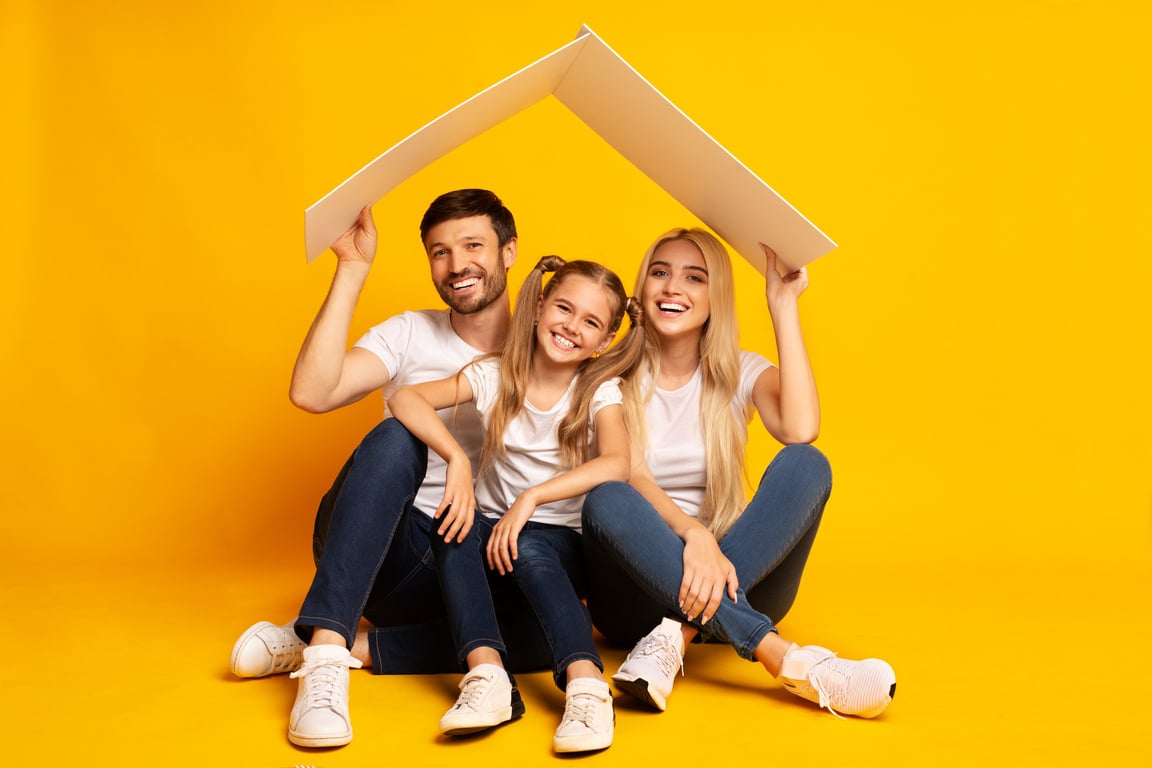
column 724, row 433
column 516, row 358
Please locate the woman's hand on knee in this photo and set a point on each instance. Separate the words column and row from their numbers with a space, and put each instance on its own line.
column 708, row 575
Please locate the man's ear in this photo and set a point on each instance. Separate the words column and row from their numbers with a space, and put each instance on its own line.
column 508, row 253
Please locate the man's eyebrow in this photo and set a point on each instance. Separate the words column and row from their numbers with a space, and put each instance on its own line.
column 462, row 238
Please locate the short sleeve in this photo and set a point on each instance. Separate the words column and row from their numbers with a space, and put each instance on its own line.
column 484, row 376
column 389, row 341
column 607, row 394
column 752, row 366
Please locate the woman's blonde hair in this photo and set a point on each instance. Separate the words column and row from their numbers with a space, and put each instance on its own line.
column 724, row 432
column 516, row 358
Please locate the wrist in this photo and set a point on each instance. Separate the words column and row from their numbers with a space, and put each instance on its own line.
column 693, row 532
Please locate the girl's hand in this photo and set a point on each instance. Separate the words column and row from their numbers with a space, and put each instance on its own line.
column 779, row 287
column 358, row 243
column 707, row 573
column 502, row 543
column 458, row 508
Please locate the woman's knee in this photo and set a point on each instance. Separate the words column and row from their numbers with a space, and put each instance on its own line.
column 806, row 461
column 606, row 502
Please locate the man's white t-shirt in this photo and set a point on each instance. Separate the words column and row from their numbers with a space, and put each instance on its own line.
column 675, row 440
column 417, row 347
column 532, row 448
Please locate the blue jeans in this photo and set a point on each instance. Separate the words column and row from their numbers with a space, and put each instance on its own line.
column 636, row 563
column 373, row 560
column 549, row 572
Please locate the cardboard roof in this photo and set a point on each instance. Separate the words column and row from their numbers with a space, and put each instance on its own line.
column 615, row 101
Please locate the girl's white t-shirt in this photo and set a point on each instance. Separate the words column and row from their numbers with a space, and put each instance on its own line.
column 675, row 439
column 532, row 448
column 417, row 347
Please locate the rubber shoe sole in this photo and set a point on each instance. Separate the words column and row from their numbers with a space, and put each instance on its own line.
column 513, row 712
column 639, row 689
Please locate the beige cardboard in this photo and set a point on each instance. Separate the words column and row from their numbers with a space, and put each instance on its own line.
column 634, row 118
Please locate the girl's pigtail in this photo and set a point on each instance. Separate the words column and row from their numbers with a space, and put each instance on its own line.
column 516, row 359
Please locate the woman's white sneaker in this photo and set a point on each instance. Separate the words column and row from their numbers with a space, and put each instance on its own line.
column 650, row 669
column 320, row 715
column 588, row 720
column 862, row 688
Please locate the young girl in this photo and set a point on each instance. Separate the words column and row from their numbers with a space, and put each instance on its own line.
column 554, row 429
column 677, row 547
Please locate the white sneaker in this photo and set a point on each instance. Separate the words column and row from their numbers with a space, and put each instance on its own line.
column 588, row 720
column 650, row 669
column 487, row 698
column 266, row 649
column 861, row 688
column 320, row 714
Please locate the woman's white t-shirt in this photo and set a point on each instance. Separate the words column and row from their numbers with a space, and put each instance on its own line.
column 675, row 439
column 532, row 448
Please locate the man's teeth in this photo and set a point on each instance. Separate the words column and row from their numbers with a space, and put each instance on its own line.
column 466, row 283
column 563, row 341
column 670, row 307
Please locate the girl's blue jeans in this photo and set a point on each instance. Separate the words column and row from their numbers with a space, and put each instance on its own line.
column 549, row 573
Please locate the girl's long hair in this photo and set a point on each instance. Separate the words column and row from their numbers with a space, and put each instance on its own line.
column 724, row 432
column 516, row 358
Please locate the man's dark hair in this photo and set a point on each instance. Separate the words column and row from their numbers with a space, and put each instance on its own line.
column 463, row 203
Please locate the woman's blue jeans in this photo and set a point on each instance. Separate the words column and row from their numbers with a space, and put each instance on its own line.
column 373, row 560
column 549, row 572
column 636, row 563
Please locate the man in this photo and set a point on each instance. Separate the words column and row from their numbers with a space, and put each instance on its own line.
column 372, row 530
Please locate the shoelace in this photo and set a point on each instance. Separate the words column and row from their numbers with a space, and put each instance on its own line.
column 285, row 656
column 818, row 684
column 472, row 689
column 322, row 687
column 581, row 708
column 664, row 651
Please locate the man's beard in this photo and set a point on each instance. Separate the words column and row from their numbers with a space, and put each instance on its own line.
column 494, row 284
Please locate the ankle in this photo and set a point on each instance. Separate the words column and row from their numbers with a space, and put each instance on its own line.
column 322, row 636
column 771, row 652
column 583, row 670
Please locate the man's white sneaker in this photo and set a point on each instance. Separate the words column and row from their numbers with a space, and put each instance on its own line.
column 320, row 714
column 650, row 669
column 862, row 688
column 488, row 697
column 266, row 649
column 588, row 720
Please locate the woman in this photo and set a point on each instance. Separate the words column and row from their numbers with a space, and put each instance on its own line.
column 676, row 546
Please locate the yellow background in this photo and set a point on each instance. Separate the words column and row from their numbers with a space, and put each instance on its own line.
column 980, row 337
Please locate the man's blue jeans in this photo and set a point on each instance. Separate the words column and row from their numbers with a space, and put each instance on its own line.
column 636, row 563
column 373, row 559
column 549, row 571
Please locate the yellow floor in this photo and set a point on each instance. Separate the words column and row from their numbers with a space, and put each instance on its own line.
column 131, row 669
